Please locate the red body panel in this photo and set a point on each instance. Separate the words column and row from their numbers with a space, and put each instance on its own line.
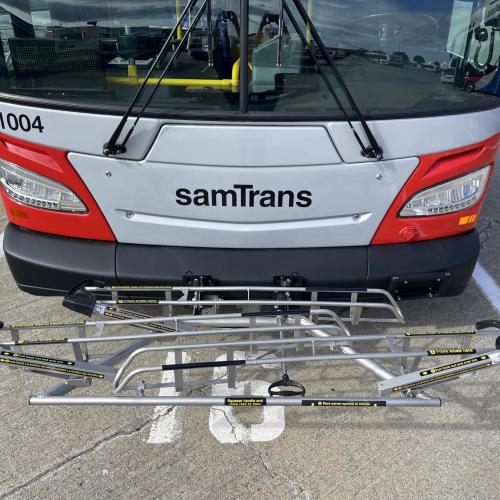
column 436, row 169
column 52, row 163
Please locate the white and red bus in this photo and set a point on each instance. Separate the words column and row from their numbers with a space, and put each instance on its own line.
column 242, row 142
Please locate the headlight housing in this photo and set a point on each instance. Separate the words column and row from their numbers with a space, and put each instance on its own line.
column 35, row 190
column 451, row 196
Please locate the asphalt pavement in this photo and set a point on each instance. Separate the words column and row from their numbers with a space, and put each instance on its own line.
column 90, row 452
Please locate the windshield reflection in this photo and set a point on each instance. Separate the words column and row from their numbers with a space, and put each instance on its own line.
column 396, row 56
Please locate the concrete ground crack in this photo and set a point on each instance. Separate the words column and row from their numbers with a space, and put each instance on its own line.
column 233, row 428
column 295, row 488
column 486, row 228
column 492, row 219
column 90, row 449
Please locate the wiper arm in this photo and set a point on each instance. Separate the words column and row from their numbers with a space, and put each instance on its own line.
column 374, row 150
column 112, row 148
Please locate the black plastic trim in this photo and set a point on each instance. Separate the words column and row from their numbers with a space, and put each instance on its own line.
column 44, row 264
column 456, row 255
column 230, row 266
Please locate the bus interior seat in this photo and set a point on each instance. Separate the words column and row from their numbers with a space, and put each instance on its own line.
column 226, row 46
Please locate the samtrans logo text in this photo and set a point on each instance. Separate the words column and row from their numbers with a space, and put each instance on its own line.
column 243, row 195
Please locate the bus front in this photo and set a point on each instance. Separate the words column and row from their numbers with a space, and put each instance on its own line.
column 343, row 144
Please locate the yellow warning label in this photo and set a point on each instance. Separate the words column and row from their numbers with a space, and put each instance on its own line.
column 141, row 287
column 452, row 366
column 450, row 352
column 137, row 301
column 148, row 326
column 351, row 404
column 245, row 401
column 439, row 378
column 114, row 315
column 52, row 340
column 31, row 357
column 126, row 312
column 60, row 369
column 47, row 325
column 440, row 332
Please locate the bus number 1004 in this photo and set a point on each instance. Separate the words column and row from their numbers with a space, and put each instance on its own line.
column 20, row 122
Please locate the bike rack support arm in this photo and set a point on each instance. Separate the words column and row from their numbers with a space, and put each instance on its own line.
column 329, row 403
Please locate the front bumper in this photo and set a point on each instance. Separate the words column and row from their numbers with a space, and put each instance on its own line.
column 44, row 264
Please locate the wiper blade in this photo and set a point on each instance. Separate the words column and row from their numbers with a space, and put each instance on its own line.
column 374, row 150
column 112, row 147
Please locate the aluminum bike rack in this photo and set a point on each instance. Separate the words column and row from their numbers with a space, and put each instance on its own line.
column 285, row 326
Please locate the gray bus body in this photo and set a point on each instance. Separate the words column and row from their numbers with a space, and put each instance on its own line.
column 280, row 188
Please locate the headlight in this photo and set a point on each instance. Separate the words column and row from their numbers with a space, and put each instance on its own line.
column 452, row 196
column 38, row 191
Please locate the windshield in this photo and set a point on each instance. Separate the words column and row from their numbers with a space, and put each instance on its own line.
column 391, row 53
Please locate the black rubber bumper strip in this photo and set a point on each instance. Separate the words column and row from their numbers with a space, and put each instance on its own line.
column 43, row 264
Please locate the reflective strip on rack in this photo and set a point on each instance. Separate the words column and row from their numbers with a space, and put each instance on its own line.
column 438, row 374
column 56, row 365
column 124, row 314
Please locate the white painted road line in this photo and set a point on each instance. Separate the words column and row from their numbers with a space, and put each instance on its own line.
column 488, row 286
column 1, row 246
column 167, row 424
column 225, row 425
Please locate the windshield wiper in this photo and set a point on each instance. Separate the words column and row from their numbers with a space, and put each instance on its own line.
column 112, row 147
column 373, row 150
